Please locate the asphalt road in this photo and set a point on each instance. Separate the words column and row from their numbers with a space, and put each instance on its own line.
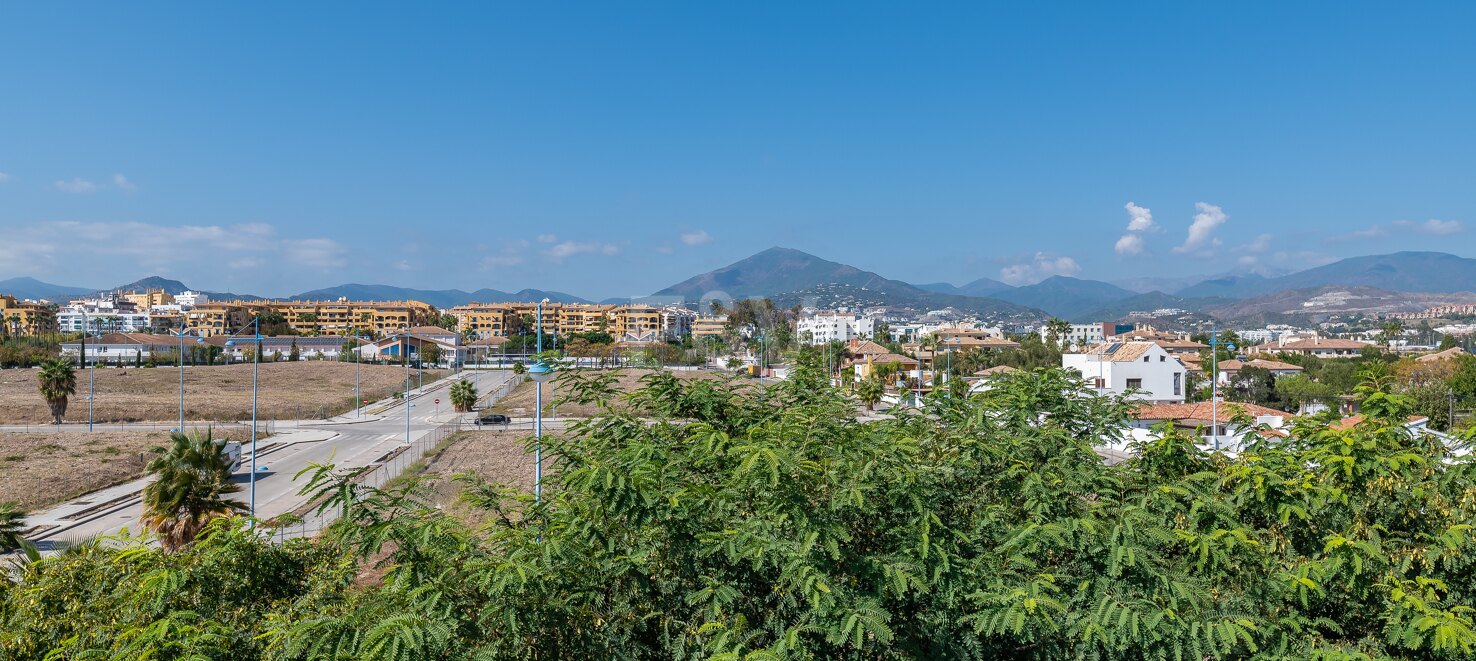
column 344, row 441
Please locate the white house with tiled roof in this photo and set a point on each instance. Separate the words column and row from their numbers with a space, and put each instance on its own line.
column 1322, row 347
column 1119, row 367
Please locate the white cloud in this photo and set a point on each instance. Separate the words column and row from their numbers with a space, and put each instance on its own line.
column 1201, row 240
column 57, row 246
column 1260, row 244
column 665, row 249
column 1140, row 219
column 76, row 185
column 315, row 253
column 123, row 183
column 1442, row 227
column 1041, row 266
column 403, row 265
column 547, row 238
column 571, row 248
column 4, row 177
column 1431, row 227
column 495, row 261
column 696, row 238
column 1129, row 244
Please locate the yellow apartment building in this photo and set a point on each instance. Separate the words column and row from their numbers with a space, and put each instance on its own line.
column 148, row 299
column 19, row 317
column 627, row 323
column 309, row 318
column 707, row 325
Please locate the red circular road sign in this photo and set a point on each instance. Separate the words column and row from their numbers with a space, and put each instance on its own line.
column 438, row 401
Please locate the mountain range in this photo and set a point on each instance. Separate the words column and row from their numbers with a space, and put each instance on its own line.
column 795, row 277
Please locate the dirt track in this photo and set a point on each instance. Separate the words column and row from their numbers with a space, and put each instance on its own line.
column 287, row 391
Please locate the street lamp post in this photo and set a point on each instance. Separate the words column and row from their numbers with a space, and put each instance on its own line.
column 179, row 346
column 540, row 373
column 405, row 357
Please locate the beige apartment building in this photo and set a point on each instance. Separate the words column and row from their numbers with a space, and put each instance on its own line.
column 147, row 300
column 314, row 318
column 625, row 323
column 19, row 317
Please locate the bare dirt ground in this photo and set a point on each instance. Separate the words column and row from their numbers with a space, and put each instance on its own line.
column 289, row 390
column 498, row 457
column 39, row 469
column 520, row 402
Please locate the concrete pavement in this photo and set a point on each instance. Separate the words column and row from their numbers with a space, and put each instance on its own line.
column 346, row 441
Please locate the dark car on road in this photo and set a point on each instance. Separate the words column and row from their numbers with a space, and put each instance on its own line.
column 493, row 419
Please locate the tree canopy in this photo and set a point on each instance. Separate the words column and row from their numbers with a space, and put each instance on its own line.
column 704, row 519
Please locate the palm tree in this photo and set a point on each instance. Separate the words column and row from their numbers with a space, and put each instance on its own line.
column 57, row 380
column 463, row 396
column 191, row 479
column 12, row 522
column 1392, row 329
column 870, row 391
column 1056, row 329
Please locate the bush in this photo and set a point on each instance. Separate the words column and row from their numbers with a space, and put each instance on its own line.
column 715, row 519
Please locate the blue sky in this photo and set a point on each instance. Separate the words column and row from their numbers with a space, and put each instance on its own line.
column 611, row 149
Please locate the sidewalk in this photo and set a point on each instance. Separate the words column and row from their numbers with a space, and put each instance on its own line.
column 100, row 503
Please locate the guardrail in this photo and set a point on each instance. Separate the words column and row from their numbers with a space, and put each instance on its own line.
column 307, row 521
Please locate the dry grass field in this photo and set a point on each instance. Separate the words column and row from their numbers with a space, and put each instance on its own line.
column 39, row 469
column 496, row 456
column 520, row 402
column 287, row 391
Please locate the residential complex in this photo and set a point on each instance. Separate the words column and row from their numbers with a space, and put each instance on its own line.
column 25, row 317
column 624, row 323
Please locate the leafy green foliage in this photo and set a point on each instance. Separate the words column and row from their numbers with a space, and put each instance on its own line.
column 192, row 479
column 710, row 519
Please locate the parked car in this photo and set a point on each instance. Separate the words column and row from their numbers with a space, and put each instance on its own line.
column 493, row 419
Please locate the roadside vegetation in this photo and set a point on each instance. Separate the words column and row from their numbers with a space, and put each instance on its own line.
column 701, row 519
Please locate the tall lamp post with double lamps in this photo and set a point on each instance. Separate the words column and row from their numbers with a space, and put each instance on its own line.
column 255, row 380
column 180, row 347
column 540, row 372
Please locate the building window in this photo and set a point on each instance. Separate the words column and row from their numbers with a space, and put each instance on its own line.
column 1135, row 384
column 1162, row 359
column 1145, row 358
column 1178, row 383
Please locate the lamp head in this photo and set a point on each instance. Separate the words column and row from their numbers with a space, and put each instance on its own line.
column 540, row 372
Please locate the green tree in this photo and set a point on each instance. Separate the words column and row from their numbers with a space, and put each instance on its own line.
column 12, row 523
column 463, row 396
column 293, row 354
column 191, row 482
column 57, row 380
column 870, row 392
column 430, row 353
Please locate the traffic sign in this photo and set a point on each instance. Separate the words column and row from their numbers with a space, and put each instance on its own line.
column 438, row 401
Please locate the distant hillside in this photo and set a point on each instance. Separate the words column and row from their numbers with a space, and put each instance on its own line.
column 1064, row 296
column 441, row 298
column 1334, row 300
column 1401, row 271
column 1228, row 286
column 779, row 270
column 1155, row 300
column 982, row 287
column 791, row 276
column 35, row 289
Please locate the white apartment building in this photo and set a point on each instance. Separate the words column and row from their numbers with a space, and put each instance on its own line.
column 100, row 317
column 826, row 327
column 191, row 299
column 1117, row 367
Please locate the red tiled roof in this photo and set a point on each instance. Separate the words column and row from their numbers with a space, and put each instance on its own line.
column 1204, row 411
